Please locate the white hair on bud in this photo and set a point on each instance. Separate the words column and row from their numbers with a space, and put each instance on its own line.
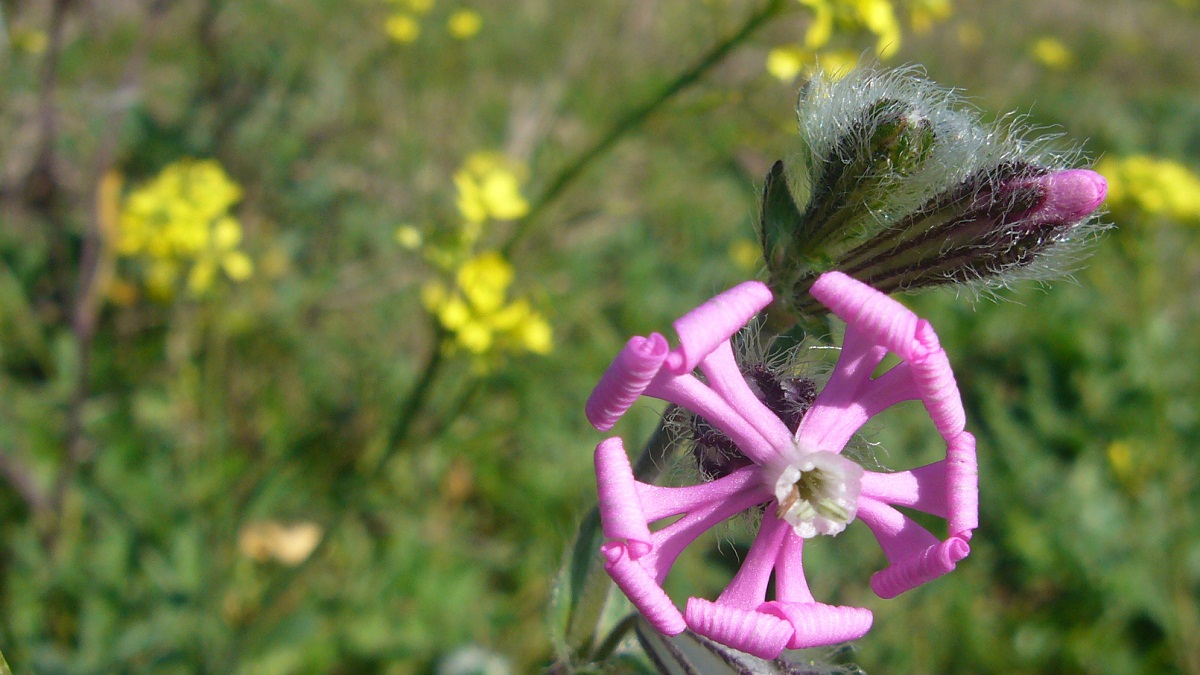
column 963, row 146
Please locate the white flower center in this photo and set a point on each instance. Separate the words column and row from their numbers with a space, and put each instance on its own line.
column 817, row 493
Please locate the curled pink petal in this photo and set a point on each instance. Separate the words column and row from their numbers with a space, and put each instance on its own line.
column 935, row 382
column 884, row 320
column 756, row 633
column 926, row 566
column 650, row 599
column 625, row 380
column 962, row 485
column 621, row 512
column 818, row 625
column 710, row 324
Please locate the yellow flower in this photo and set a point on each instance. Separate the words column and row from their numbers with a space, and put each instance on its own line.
column 420, row 6
column 535, row 335
column 409, row 237
column 821, row 28
column 879, row 18
column 464, row 24
column 876, row 17
column 28, row 40
column 924, row 13
column 485, row 280
column 746, row 254
column 477, row 313
column 1052, row 53
column 837, row 63
column 402, row 28
column 180, row 218
column 786, row 62
column 1153, row 185
column 489, row 188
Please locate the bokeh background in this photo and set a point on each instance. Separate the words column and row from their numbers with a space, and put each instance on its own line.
column 300, row 303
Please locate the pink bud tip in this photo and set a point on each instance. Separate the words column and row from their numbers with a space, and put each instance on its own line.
column 1071, row 196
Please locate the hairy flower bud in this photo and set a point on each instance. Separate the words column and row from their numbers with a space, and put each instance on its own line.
column 907, row 189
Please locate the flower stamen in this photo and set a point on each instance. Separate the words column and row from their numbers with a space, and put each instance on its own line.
column 818, row 494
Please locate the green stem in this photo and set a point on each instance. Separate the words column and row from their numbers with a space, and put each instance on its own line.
column 615, row 637
column 638, row 116
column 418, row 398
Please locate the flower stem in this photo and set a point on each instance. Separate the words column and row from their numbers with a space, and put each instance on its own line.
column 418, row 398
column 638, row 116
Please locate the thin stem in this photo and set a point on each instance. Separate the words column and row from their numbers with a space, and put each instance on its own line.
column 20, row 478
column 637, row 117
column 94, row 268
column 614, row 638
column 41, row 185
column 418, row 398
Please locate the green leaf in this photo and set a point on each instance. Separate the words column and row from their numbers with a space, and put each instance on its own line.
column 581, row 592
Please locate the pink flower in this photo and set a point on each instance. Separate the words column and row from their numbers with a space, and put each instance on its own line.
column 807, row 486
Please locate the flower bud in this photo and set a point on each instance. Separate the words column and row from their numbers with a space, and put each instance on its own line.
column 907, row 189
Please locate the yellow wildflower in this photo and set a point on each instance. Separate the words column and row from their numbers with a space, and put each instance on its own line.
column 464, row 24
column 821, row 28
column 837, row 63
column 28, row 40
column 924, row 13
column 1153, row 185
column 420, row 6
column 485, row 280
column 471, row 302
column 535, row 335
column 402, row 28
column 1052, row 53
column 878, row 17
column 180, row 218
column 786, row 62
column 409, row 237
column 489, row 188
column 478, row 314
column 746, row 254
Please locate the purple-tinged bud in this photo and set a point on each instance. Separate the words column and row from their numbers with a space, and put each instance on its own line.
column 991, row 225
column 1071, row 196
column 907, row 189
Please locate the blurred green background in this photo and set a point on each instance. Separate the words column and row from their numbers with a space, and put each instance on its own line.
column 295, row 467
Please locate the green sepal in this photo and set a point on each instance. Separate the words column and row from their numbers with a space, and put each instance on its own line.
column 779, row 218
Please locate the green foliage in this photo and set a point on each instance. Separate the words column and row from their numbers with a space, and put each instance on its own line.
column 142, row 441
